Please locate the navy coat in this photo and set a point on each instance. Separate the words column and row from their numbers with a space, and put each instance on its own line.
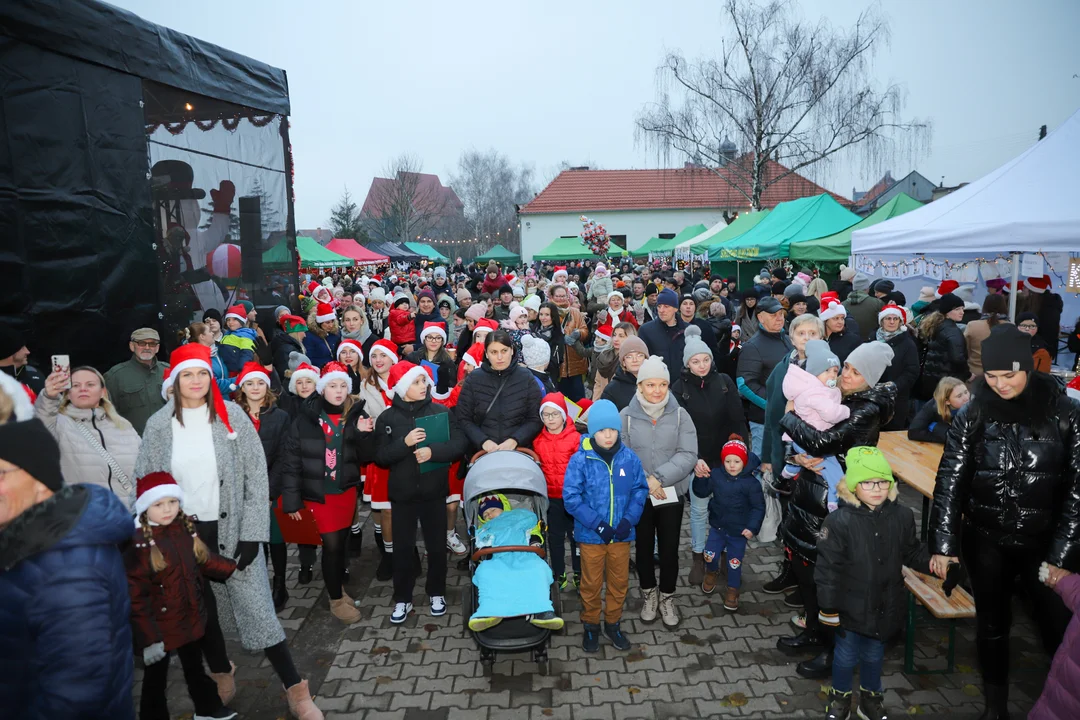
column 65, row 629
column 735, row 503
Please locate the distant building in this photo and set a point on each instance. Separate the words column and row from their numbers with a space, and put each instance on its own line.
column 321, row 235
column 636, row 205
column 941, row 191
column 428, row 195
column 913, row 184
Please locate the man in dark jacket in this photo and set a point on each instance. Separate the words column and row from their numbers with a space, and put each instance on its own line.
column 864, row 308
column 758, row 357
column 664, row 336
column 65, row 630
column 14, row 360
column 135, row 385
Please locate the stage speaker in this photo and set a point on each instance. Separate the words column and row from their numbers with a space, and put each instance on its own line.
column 251, row 266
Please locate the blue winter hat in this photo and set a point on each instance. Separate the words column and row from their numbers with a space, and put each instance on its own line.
column 603, row 415
column 668, row 296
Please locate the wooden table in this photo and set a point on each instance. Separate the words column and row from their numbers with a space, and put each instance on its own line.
column 915, row 463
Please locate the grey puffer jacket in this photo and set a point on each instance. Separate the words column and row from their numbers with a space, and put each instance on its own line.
column 668, row 448
column 79, row 461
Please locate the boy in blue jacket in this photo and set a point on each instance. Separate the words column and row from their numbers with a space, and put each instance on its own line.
column 736, row 511
column 237, row 346
column 605, row 491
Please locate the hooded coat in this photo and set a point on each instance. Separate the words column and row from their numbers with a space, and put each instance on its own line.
column 596, row 491
column 555, row 452
column 871, row 410
column 65, row 632
column 735, row 503
column 945, row 356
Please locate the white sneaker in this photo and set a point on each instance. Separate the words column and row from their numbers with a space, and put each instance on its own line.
column 454, row 544
column 668, row 613
column 438, row 605
column 401, row 613
column 648, row 609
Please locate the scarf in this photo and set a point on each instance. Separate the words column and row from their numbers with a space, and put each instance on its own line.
column 332, row 434
column 357, row 335
column 884, row 336
column 653, row 410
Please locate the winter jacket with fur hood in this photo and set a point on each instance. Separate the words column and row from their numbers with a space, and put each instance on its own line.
column 79, row 461
column 65, row 630
column 1011, row 471
column 871, row 410
column 667, row 447
column 860, row 554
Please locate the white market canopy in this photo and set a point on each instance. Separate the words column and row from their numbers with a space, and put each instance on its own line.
column 1029, row 204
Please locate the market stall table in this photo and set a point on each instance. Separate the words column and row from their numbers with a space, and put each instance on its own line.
column 915, row 463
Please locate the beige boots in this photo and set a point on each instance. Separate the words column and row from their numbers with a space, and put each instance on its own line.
column 344, row 610
column 301, row 705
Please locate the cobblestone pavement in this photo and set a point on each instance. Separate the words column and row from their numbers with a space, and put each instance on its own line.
column 716, row 664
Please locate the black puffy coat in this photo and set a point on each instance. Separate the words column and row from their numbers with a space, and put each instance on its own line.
column 904, row 373
column 945, row 356
column 621, row 389
column 871, row 410
column 281, row 345
column 1011, row 469
column 407, row 483
column 842, row 343
column 515, row 414
column 273, row 427
column 858, row 572
column 715, row 406
column 303, row 459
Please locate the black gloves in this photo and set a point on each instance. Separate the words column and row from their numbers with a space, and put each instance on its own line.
column 245, row 553
column 622, row 530
column 605, row 531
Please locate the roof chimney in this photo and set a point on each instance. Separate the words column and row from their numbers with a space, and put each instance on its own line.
column 580, row 167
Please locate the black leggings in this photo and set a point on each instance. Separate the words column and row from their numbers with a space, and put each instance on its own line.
column 213, row 643
column 996, row 572
column 203, row 690
column 335, row 559
column 431, row 515
column 663, row 523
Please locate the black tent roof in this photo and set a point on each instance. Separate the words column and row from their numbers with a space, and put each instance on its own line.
column 109, row 36
column 394, row 251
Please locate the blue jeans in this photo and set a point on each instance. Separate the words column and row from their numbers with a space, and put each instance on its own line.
column 853, row 649
column 573, row 387
column 757, row 438
column 699, row 522
column 735, row 546
column 830, row 471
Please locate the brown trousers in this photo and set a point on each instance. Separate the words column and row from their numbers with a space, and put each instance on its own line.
column 599, row 563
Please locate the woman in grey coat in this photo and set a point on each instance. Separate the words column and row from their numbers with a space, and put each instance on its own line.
column 663, row 436
column 213, row 451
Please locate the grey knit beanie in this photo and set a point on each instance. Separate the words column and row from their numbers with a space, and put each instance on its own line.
column 860, row 283
column 693, row 345
column 871, row 359
column 296, row 360
column 653, row 369
column 820, row 357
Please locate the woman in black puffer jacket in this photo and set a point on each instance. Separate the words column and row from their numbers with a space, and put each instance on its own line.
column 945, row 350
column 1008, row 498
column 513, row 419
column 871, row 406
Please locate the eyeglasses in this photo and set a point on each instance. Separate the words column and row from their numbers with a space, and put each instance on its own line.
column 147, row 343
column 875, row 484
column 1028, row 326
column 551, row 415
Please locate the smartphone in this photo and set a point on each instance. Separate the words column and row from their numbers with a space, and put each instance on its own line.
column 62, row 363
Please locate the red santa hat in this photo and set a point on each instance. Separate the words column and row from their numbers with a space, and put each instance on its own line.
column 153, row 487
column 375, row 280
column 485, row 324
column 735, row 446
column 331, row 371
column 304, row 370
column 1073, row 388
column 1039, row 285
column 252, row 371
column 474, row 355
column 946, row 287
column 433, row 328
column 386, row 347
column 349, row 343
column 604, row 331
column 196, row 356
column 324, row 312
column 317, row 291
column 831, row 307
column 559, row 270
column 892, row 309
column 555, row 401
column 236, row 311
column 166, row 383
column 404, row 374
column 1019, row 286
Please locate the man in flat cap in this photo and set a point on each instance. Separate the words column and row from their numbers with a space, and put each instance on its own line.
column 135, row 385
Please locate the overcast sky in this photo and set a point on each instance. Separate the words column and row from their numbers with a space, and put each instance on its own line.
column 545, row 82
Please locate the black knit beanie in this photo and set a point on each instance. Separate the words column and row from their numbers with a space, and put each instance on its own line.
column 30, row 446
column 948, row 302
column 1008, row 349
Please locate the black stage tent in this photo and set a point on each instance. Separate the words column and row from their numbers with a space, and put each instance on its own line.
column 142, row 173
column 396, row 253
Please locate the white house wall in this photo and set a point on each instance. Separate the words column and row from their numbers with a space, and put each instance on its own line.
column 537, row 231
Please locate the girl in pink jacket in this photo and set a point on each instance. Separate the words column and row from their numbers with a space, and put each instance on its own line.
column 813, row 396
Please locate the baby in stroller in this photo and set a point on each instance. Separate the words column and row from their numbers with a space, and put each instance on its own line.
column 511, row 584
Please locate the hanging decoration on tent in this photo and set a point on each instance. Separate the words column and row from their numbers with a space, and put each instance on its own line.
column 595, row 237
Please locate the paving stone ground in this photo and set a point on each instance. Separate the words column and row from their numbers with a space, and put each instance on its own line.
column 716, row 664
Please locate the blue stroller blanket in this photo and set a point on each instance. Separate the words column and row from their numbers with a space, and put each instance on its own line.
column 511, row 583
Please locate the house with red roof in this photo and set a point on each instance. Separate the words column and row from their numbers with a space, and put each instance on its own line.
column 636, row 205
column 434, row 205
column 914, row 184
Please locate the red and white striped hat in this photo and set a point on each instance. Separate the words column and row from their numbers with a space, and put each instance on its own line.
column 404, row 374
column 236, row 311
column 894, row 310
column 349, row 343
column 252, row 371
column 324, row 312
column 197, row 356
column 831, row 307
column 304, row 370
column 946, row 287
column 386, row 347
column 433, row 328
column 331, row 371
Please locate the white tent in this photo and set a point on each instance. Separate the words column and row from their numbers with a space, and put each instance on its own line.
column 703, row 237
column 1027, row 205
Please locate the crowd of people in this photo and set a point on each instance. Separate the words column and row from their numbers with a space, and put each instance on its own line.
column 142, row 507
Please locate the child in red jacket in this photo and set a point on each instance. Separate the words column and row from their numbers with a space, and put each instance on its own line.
column 165, row 564
column 402, row 327
column 555, row 444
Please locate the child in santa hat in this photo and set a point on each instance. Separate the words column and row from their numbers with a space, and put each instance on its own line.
column 166, row 561
column 418, row 482
column 324, row 335
column 555, row 445
column 237, row 344
column 402, row 327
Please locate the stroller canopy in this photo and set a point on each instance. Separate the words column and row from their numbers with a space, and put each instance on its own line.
column 503, row 471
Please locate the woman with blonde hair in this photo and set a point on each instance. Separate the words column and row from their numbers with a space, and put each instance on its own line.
column 816, row 287
column 932, row 422
column 97, row 446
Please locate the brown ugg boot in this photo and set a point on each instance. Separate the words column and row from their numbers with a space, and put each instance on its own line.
column 226, row 684
column 708, row 583
column 731, row 600
column 301, row 705
column 343, row 610
column 697, row 570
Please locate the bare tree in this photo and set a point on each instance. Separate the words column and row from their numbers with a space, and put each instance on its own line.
column 781, row 90
column 345, row 219
column 405, row 203
column 489, row 186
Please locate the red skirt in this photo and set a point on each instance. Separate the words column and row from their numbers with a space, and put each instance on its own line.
column 377, row 487
column 456, row 485
column 335, row 512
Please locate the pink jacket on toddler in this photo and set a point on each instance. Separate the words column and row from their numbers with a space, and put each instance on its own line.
column 815, row 404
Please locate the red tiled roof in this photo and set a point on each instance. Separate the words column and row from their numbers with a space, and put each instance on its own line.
column 592, row 190
column 873, row 193
column 428, row 188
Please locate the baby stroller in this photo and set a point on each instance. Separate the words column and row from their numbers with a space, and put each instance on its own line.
column 517, row 475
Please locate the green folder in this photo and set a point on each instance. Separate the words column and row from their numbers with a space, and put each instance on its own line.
column 437, row 428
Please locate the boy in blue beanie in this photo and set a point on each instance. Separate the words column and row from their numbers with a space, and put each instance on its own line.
column 605, row 491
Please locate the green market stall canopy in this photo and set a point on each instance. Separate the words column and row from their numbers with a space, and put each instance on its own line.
column 571, row 248
column 499, row 254
column 803, row 219
column 312, row 255
column 836, row 248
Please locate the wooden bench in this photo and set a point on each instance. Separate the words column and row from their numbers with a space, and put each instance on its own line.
column 926, row 591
